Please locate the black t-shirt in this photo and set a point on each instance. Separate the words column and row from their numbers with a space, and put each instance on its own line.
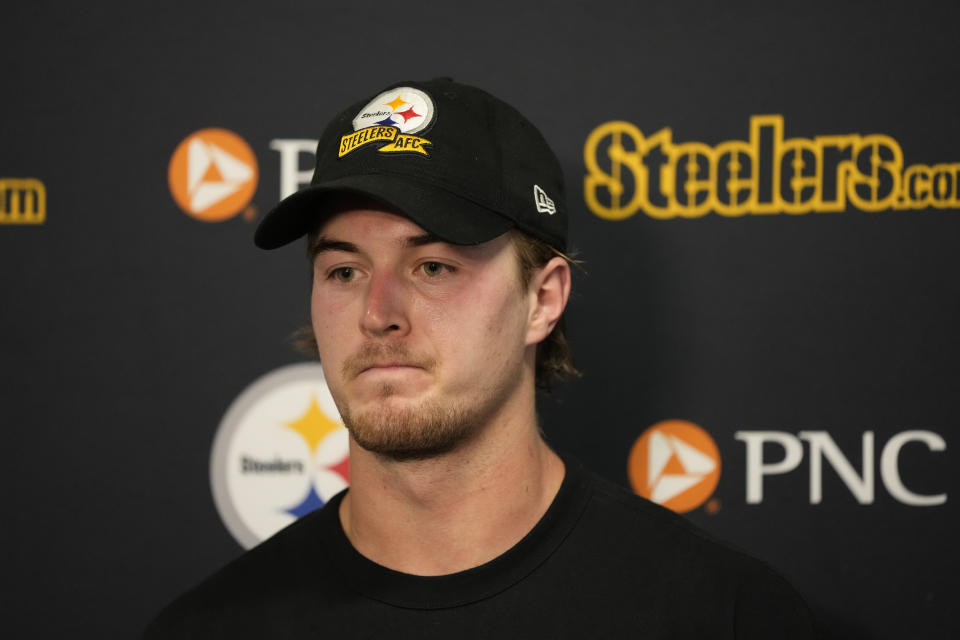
column 601, row 563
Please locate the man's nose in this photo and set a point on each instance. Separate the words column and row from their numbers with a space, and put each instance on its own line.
column 385, row 309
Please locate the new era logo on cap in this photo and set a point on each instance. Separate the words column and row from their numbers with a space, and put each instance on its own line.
column 543, row 201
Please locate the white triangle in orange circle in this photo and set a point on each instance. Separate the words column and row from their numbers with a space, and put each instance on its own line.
column 206, row 193
column 670, row 485
column 693, row 460
column 695, row 463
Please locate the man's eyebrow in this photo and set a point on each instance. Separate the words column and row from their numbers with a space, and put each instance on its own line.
column 421, row 240
column 321, row 244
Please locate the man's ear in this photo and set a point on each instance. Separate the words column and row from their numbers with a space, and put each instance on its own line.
column 548, row 294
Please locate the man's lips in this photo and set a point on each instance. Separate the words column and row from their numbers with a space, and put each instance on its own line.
column 374, row 358
column 389, row 366
column 390, row 369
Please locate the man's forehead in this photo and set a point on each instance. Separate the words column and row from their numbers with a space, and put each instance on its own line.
column 350, row 230
column 354, row 230
column 374, row 225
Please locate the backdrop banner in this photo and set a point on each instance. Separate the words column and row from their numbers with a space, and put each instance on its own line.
column 766, row 199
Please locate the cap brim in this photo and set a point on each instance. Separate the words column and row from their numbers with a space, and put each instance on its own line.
column 446, row 215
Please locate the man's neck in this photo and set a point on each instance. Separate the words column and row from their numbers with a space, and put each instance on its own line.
column 452, row 512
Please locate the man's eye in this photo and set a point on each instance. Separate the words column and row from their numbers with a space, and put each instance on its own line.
column 435, row 268
column 342, row 274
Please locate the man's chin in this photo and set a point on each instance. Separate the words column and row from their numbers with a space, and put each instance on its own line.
column 389, row 391
column 400, row 428
column 395, row 402
column 409, row 452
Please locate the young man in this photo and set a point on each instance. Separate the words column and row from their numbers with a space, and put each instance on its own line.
column 436, row 223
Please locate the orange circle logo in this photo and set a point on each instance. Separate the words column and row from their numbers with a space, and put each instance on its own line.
column 213, row 174
column 674, row 463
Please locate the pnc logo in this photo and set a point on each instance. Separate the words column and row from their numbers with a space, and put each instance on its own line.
column 674, row 463
column 279, row 453
column 213, row 174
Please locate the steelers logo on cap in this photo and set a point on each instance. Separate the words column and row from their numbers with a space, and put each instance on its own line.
column 408, row 109
column 390, row 120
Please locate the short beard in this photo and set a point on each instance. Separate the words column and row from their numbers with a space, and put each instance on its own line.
column 412, row 433
column 426, row 430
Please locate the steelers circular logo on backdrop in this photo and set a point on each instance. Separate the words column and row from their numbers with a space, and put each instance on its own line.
column 674, row 463
column 280, row 452
column 409, row 110
column 213, row 174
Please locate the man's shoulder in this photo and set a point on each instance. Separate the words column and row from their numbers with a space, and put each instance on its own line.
column 648, row 524
column 643, row 548
column 636, row 526
column 276, row 574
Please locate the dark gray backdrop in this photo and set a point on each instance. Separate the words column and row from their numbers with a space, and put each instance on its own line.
column 128, row 327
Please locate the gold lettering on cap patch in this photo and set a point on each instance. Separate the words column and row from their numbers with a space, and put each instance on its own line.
column 406, row 142
column 357, row 139
column 396, row 141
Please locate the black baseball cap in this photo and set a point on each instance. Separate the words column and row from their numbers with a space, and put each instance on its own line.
column 460, row 163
